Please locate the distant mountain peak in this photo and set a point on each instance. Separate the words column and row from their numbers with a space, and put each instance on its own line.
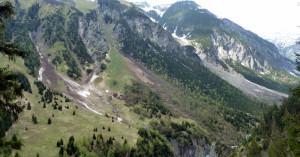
column 286, row 43
column 283, row 39
column 158, row 9
column 142, row 4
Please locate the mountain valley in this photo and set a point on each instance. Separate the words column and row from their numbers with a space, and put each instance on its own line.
column 123, row 81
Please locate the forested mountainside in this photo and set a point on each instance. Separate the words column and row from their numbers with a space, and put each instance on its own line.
column 228, row 46
column 278, row 132
column 102, row 79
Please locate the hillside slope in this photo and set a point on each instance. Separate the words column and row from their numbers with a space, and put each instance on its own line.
column 229, row 46
column 123, row 72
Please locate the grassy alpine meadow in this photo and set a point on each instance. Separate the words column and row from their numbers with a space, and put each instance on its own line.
column 17, row 64
column 118, row 72
column 42, row 137
column 85, row 6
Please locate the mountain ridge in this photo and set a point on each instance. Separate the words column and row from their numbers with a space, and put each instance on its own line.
column 219, row 40
column 123, row 72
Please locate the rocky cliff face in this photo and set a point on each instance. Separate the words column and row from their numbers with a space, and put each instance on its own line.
column 146, row 28
column 226, row 47
column 263, row 53
column 73, row 42
column 110, row 10
column 132, row 17
column 94, row 39
column 199, row 148
column 222, row 39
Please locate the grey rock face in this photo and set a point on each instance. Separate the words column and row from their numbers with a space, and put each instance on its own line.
column 113, row 11
column 146, row 28
column 259, row 54
column 142, row 26
column 94, row 38
column 221, row 39
column 226, row 47
column 200, row 148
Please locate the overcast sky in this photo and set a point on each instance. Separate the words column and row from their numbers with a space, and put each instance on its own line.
column 263, row 17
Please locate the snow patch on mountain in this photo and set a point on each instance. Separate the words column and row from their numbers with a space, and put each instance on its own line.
column 283, row 40
column 159, row 9
column 286, row 43
column 182, row 40
column 40, row 78
column 153, row 20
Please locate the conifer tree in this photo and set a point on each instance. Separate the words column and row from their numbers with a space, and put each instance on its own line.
column 17, row 154
column 34, row 119
column 61, row 151
column 71, row 147
column 14, row 138
column 29, row 106
column 57, row 144
column 61, row 142
column 10, row 88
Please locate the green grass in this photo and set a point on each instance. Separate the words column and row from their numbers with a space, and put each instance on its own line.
column 282, row 76
column 98, row 80
column 277, row 79
column 117, row 70
column 205, row 42
column 47, row 10
column 56, row 50
column 41, row 138
column 68, row 2
column 85, row 6
column 16, row 65
column 82, row 5
column 25, row 4
column 61, row 84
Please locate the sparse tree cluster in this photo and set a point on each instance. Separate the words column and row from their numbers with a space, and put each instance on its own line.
column 149, row 143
